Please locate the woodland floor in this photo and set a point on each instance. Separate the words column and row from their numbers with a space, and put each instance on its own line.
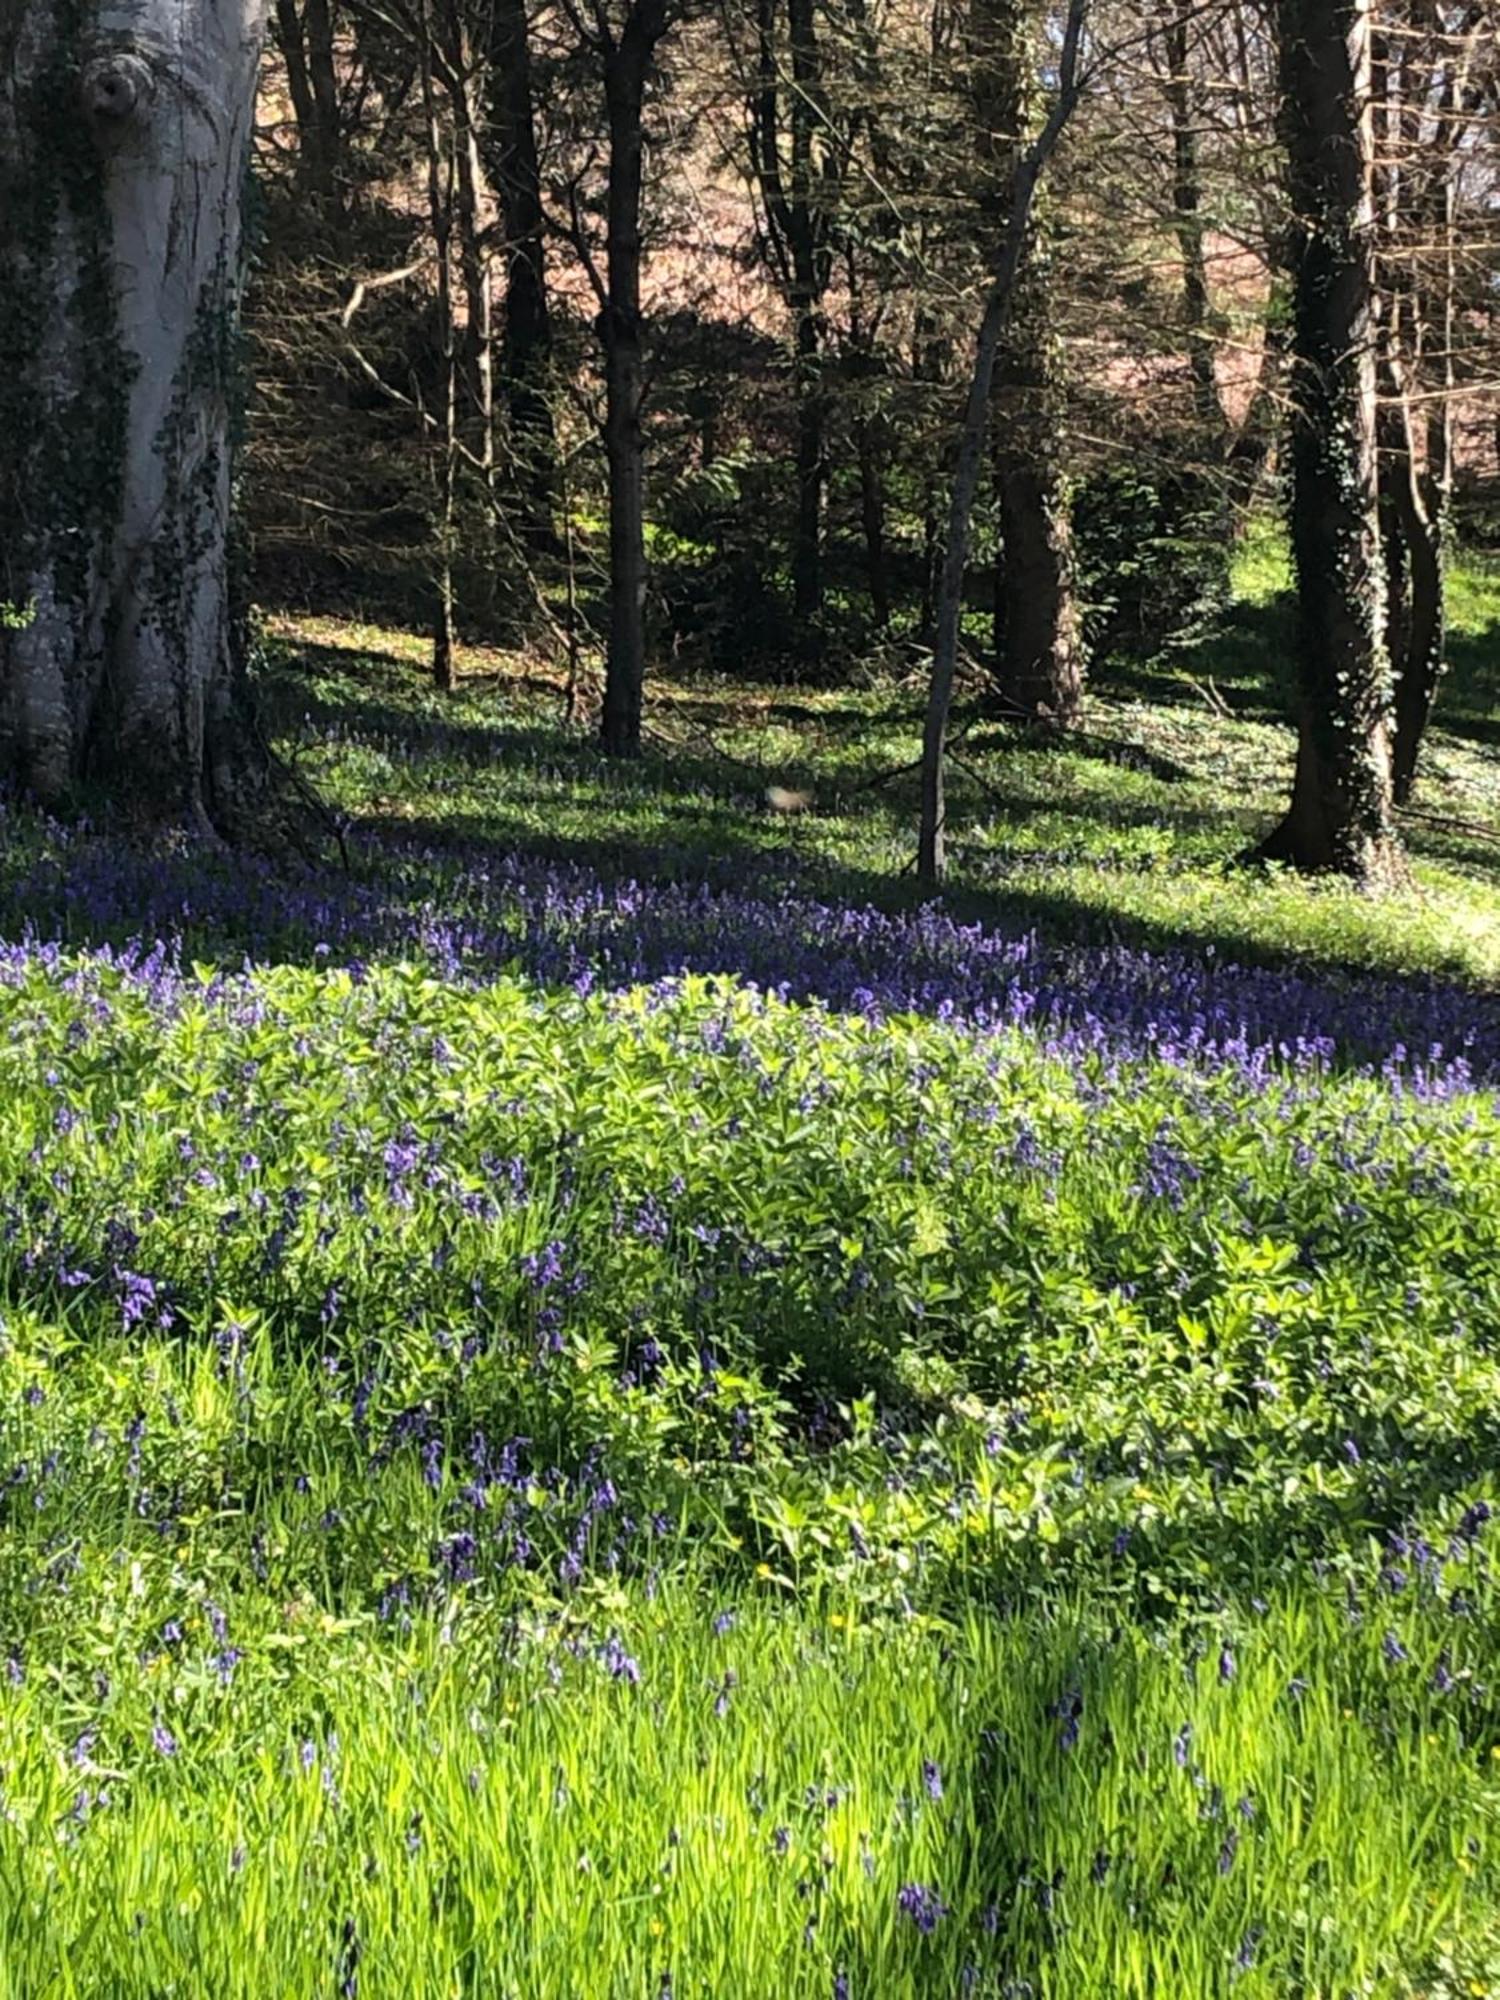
column 605, row 1404
column 1129, row 831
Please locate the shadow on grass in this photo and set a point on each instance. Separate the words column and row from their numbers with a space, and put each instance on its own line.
column 688, row 816
column 464, row 849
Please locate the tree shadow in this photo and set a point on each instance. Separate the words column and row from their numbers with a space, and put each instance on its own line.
column 1468, row 703
column 614, row 874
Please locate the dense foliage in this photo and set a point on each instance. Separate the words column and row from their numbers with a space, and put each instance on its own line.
column 575, row 1431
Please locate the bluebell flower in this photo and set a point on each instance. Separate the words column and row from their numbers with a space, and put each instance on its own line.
column 923, row 1905
column 619, row 1664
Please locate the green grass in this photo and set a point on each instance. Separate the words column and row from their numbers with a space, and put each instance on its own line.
column 987, row 1426
column 1132, row 831
column 461, row 1813
column 509, row 1492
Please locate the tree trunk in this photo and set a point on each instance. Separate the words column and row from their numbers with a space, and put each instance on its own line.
column 1254, row 447
column 794, row 123
column 526, row 354
column 626, row 62
column 323, row 76
column 470, row 193
column 1426, row 491
column 1187, row 208
column 123, row 151
column 1040, row 644
column 1340, row 816
column 930, row 365
column 1424, row 500
column 932, row 830
column 872, row 516
column 441, row 192
column 812, row 473
column 1039, row 666
column 305, row 39
column 808, row 243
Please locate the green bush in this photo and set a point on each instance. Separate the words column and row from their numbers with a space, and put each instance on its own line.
column 1154, row 555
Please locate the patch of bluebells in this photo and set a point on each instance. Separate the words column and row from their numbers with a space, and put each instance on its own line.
column 469, row 917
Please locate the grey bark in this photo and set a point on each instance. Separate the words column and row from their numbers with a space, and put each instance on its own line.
column 125, row 128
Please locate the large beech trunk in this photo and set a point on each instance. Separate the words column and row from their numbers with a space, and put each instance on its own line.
column 1340, row 817
column 124, row 139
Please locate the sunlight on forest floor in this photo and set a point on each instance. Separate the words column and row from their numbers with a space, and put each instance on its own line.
column 1131, row 828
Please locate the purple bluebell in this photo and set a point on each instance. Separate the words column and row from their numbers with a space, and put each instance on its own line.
column 923, row 1905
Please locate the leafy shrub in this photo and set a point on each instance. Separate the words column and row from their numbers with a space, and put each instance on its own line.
column 1154, row 557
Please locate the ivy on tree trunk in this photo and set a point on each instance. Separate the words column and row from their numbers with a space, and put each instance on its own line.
column 1341, row 813
column 124, row 146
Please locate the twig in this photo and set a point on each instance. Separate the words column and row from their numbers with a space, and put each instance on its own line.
column 1468, row 826
column 1211, row 695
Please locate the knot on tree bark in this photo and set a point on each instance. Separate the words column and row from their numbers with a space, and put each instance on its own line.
column 116, row 90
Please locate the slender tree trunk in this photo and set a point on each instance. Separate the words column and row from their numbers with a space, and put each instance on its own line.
column 323, row 75
column 526, row 355
column 440, row 205
column 1254, row 445
column 872, row 517
column 807, row 232
column 1395, row 459
column 1423, row 665
column 122, row 159
column 1428, row 490
column 930, row 363
column 1420, row 664
column 290, row 41
column 1340, row 816
column 1187, row 208
column 305, row 39
column 1039, row 664
column 931, row 840
column 792, row 122
column 812, row 475
column 469, row 194
column 621, row 327
column 869, row 424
